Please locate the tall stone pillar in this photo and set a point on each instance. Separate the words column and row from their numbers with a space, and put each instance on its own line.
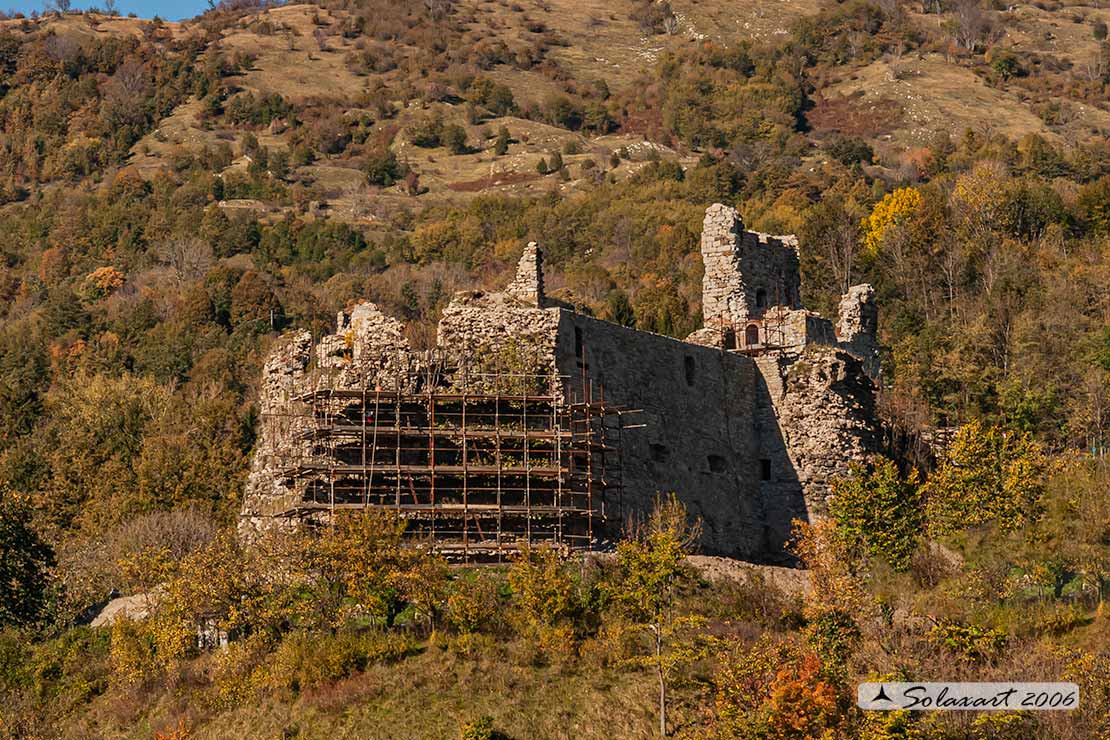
column 528, row 283
column 722, row 292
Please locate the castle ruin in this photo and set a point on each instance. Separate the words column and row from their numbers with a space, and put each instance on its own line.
column 532, row 422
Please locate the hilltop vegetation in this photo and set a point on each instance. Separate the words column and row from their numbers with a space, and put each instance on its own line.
column 173, row 195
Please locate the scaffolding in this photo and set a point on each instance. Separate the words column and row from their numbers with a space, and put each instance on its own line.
column 477, row 463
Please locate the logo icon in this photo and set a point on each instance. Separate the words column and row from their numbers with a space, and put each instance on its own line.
column 881, row 696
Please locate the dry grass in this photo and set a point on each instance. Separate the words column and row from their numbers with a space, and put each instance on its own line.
column 898, row 105
column 425, row 697
column 937, row 96
column 304, row 71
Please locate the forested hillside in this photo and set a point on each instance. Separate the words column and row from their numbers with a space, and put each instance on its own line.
column 175, row 195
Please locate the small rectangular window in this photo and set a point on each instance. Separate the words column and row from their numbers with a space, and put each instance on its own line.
column 578, row 349
column 765, row 469
column 690, row 368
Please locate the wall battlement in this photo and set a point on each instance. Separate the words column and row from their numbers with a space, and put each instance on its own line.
column 746, row 433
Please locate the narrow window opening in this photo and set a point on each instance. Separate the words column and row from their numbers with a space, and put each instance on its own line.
column 761, row 298
column 578, row 349
column 730, row 339
column 690, row 370
column 765, row 469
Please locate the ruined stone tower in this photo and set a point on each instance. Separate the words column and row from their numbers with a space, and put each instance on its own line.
column 533, row 422
column 745, row 272
column 528, row 283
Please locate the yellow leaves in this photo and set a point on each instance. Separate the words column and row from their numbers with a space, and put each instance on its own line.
column 472, row 602
column 148, row 567
column 543, row 600
column 975, row 197
column 103, row 281
column 131, row 653
column 987, row 475
column 892, row 211
column 542, row 589
column 834, row 585
column 774, row 689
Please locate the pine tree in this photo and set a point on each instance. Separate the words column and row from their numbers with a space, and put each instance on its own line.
column 502, row 144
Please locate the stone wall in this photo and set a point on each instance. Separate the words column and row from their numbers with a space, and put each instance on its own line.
column 748, row 443
column 858, row 326
column 283, row 377
column 825, row 417
column 746, row 272
column 527, row 286
column 697, row 438
column 498, row 333
column 367, row 350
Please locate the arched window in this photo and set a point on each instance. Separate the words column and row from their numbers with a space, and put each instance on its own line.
column 751, row 335
column 761, row 298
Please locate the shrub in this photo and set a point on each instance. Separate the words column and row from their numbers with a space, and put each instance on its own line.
column 494, row 96
column 543, row 599
column 501, row 146
column 426, row 132
column 472, row 603
column 480, row 729
column 849, row 150
column 382, row 168
column 1005, row 64
column 454, row 138
column 881, row 510
column 971, row 642
column 311, row 660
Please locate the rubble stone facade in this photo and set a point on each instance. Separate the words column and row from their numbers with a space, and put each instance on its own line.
column 748, row 434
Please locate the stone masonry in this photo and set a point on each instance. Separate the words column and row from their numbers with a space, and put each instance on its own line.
column 528, row 283
column 748, row 434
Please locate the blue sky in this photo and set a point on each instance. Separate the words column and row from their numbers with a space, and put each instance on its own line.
column 171, row 10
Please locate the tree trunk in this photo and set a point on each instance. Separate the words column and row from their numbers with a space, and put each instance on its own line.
column 662, row 683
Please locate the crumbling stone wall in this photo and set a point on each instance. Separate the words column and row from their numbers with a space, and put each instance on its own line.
column 283, row 376
column 746, row 272
column 368, row 350
column 823, row 404
column 748, row 443
column 498, row 333
column 858, row 325
column 527, row 286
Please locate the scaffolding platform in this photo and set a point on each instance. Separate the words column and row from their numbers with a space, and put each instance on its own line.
column 475, row 474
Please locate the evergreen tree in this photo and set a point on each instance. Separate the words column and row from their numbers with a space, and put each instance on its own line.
column 502, row 144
